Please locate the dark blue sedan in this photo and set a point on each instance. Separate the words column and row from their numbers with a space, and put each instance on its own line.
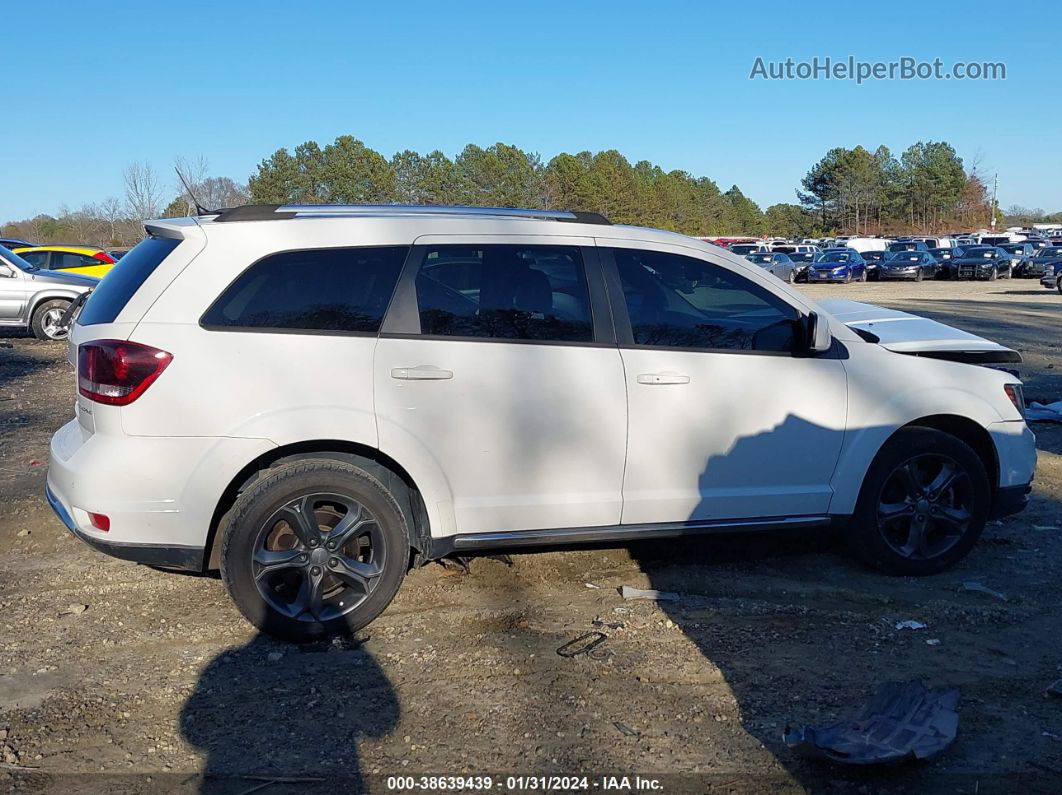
column 838, row 265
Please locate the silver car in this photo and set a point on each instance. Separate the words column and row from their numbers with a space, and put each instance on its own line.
column 37, row 300
column 776, row 263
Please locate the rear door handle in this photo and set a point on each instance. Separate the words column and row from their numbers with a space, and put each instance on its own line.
column 654, row 379
column 422, row 372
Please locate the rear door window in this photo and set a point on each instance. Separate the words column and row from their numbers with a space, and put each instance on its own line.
column 108, row 299
column 339, row 290
column 504, row 292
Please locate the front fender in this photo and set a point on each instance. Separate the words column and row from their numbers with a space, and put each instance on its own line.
column 876, row 414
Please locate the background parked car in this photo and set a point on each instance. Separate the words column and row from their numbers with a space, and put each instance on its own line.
column 741, row 249
column 11, row 243
column 838, row 265
column 912, row 265
column 776, row 263
column 874, row 260
column 981, row 262
column 944, row 254
column 37, row 300
column 1037, row 265
column 118, row 253
column 801, row 262
column 1020, row 254
column 82, row 260
column 908, row 245
column 1052, row 277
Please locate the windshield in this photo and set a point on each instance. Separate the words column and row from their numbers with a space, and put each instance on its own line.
column 1014, row 248
column 906, row 257
column 1050, row 251
column 11, row 258
column 834, row 256
column 874, row 255
column 801, row 256
column 980, row 252
column 759, row 258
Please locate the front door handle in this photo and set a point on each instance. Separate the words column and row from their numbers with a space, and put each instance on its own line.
column 422, row 372
column 654, row 379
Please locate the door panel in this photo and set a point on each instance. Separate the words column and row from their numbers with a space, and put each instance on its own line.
column 528, row 436
column 725, row 419
column 493, row 370
column 13, row 296
column 747, row 436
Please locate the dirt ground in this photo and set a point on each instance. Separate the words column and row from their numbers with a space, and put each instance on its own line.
column 116, row 677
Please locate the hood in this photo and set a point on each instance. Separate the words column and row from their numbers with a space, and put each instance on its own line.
column 906, row 333
column 69, row 279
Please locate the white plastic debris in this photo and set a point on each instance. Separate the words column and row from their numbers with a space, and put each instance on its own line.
column 591, row 585
column 627, row 592
column 909, row 624
column 1040, row 412
column 976, row 586
column 933, row 642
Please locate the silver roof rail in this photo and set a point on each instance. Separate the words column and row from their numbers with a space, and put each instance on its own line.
column 261, row 212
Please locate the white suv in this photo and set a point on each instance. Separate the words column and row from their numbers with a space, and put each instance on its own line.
column 315, row 398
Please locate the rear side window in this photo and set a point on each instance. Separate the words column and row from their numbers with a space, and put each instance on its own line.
column 326, row 290
column 124, row 279
column 504, row 292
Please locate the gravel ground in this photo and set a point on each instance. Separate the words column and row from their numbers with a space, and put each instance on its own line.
column 121, row 678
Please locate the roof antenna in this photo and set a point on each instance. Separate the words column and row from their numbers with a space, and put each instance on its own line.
column 199, row 209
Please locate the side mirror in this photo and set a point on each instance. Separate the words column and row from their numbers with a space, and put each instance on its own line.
column 6, row 271
column 817, row 337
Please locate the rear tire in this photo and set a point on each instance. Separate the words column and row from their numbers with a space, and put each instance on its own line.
column 46, row 317
column 923, row 504
column 315, row 548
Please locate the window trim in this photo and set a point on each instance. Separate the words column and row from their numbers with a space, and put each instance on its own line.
column 402, row 320
column 622, row 319
column 203, row 324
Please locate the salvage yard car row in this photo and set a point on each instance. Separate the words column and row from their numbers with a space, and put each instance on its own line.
column 912, row 259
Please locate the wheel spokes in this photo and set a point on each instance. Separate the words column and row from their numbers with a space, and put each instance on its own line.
column 269, row 561
column 348, row 527
column 910, row 479
column 944, row 480
column 890, row 511
column 915, row 545
column 356, row 573
column 310, row 597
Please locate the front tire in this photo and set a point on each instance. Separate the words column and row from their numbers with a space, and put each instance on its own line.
column 923, row 504
column 993, row 275
column 45, row 321
column 314, row 549
column 919, row 275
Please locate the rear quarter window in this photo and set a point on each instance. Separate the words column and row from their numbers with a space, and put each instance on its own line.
column 124, row 279
column 340, row 290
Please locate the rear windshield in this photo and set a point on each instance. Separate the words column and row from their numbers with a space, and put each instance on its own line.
column 124, row 279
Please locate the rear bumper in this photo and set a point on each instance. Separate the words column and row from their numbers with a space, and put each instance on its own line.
column 1010, row 500
column 176, row 557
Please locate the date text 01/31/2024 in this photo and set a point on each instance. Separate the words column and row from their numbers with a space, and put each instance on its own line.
column 523, row 783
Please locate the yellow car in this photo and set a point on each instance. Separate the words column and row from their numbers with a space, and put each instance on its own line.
column 83, row 260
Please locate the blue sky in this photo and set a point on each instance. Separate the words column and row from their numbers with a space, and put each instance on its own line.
column 91, row 86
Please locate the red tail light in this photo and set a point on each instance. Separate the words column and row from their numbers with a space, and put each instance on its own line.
column 104, row 257
column 116, row 373
column 100, row 521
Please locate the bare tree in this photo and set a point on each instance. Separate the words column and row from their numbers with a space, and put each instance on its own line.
column 143, row 194
column 194, row 172
column 110, row 211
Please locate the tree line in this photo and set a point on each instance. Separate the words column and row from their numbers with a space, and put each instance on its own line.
column 849, row 191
